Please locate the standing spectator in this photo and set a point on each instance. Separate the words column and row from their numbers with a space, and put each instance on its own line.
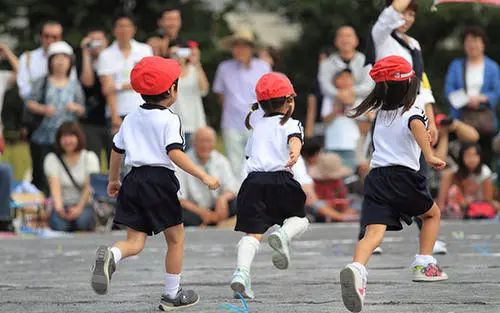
column 271, row 56
column 68, row 171
column 7, row 78
column 346, row 57
column 200, row 205
column 94, row 123
column 234, row 83
column 33, row 64
column 169, row 23
column 472, row 88
column 114, row 67
column 56, row 98
column 193, row 85
column 313, row 124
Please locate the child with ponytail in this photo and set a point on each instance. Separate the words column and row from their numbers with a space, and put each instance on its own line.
column 394, row 189
column 270, row 195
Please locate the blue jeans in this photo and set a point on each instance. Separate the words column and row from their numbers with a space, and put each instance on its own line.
column 84, row 222
column 5, row 188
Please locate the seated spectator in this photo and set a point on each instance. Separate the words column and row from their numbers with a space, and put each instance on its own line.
column 318, row 210
column 5, row 188
column 467, row 185
column 68, row 172
column 328, row 174
column 193, row 86
column 55, row 99
column 341, row 133
column 202, row 206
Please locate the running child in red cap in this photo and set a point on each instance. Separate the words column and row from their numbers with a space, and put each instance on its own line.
column 393, row 188
column 270, row 195
column 152, row 140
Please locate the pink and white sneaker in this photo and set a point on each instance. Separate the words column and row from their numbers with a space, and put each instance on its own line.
column 431, row 272
column 353, row 284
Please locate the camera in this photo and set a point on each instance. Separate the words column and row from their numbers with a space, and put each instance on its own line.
column 183, row 53
column 94, row 44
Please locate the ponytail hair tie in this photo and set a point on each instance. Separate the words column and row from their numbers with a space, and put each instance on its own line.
column 254, row 107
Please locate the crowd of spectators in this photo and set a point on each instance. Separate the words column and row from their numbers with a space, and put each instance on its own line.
column 76, row 101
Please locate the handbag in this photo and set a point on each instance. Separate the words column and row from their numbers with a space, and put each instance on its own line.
column 31, row 120
column 482, row 119
column 480, row 210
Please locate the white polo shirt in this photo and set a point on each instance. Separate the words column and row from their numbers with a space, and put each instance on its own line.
column 112, row 62
column 393, row 140
column 147, row 135
column 267, row 147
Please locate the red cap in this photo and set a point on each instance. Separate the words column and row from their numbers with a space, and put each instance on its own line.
column 392, row 68
column 273, row 85
column 154, row 75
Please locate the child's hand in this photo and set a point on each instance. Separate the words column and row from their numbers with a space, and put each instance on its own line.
column 212, row 182
column 293, row 159
column 114, row 188
column 436, row 163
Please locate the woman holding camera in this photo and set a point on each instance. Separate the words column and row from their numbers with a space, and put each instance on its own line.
column 193, row 85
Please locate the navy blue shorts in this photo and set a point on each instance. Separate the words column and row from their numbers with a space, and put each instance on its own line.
column 266, row 199
column 147, row 201
column 394, row 193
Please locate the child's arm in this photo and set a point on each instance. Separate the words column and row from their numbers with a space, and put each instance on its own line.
column 422, row 137
column 294, row 146
column 184, row 162
column 114, row 173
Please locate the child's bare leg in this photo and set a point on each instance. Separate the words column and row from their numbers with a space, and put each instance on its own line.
column 430, row 230
column 373, row 238
column 132, row 246
column 175, row 254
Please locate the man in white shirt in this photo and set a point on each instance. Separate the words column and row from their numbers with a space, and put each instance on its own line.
column 33, row 64
column 200, row 205
column 114, row 66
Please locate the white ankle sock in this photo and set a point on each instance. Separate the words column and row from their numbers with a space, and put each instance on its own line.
column 361, row 268
column 247, row 248
column 295, row 226
column 117, row 254
column 172, row 282
column 424, row 260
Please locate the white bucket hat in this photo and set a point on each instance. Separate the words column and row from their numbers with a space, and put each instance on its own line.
column 60, row 47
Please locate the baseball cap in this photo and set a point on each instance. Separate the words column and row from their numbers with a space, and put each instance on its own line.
column 391, row 68
column 60, row 47
column 273, row 85
column 154, row 75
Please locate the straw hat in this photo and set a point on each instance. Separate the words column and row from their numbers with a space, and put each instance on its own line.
column 242, row 35
column 329, row 166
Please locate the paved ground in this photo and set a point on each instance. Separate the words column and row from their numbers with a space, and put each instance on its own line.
column 52, row 275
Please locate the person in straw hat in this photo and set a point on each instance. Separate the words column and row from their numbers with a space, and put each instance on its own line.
column 234, row 83
column 328, row 174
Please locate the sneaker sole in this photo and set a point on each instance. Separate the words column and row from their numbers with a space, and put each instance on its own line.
column 280, row 259
column 429, row 279
column 167, row 308
column 238, row 287
column 350, row 295
column 100, row 275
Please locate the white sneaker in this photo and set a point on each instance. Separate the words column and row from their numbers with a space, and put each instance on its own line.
column 378, row 250
column 353, row 286
column 439, row 247
column 242, row 284
column 281, row 256
column 431, row 272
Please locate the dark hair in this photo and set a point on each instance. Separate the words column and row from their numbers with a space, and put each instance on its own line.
column 463, row 171
column 339, row 73
column 122, row 15
column 275, row 55
column 170, row 8
column 270, row 106
column 70, row 128
column 50, row 23
column 95, row 29
column 311, row 147
column 154, row 99
column 389, row 95
column 475, row 31
column 72, row 63
column 412, row 6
